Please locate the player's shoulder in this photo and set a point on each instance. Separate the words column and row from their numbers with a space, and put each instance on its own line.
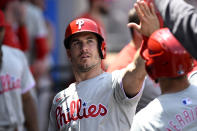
column 12, row 51
column 62, row 95
column 58, row 97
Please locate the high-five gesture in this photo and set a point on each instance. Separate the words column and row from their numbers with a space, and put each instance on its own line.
column 148, row 19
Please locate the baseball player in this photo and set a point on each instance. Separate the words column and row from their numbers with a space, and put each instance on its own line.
column 97, row 101
column 168, row 63
column 17, row 105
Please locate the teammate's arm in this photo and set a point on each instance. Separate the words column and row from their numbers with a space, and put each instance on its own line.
column 135, row 72
column 181, row 19
column 134, row 76
column 149, row 21
column 30, row 112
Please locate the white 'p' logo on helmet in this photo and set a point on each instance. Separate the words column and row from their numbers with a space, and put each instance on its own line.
column 80, row 23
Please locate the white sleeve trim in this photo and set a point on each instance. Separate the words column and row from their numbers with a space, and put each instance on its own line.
column 27, row 89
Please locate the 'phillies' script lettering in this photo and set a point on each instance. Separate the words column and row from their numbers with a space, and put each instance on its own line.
column 77, row 112
column 8, row 83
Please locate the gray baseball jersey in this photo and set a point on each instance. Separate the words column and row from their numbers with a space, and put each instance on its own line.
column 152, row 90
column 97, row 104
column 15, row 79
column 169, row 112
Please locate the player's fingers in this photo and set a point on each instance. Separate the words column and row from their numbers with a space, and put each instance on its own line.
column 141, row 7
column 134, row 25
column 152, row 8
column 138, row 11
column 146, row 8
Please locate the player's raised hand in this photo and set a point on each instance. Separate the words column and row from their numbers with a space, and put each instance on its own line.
column 148, row 19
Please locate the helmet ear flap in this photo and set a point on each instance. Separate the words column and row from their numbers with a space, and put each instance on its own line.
column 103, row 49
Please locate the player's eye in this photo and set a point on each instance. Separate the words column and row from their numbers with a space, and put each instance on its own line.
column 90, row 40
column 76, row 43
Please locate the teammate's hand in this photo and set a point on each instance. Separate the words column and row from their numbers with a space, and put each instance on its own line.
column 148, row 19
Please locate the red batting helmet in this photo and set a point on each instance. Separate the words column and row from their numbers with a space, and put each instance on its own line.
column 85, row 25
column 2, row 18
column 165, row 56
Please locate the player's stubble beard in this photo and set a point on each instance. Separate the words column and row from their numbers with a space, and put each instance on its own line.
column 86, row 67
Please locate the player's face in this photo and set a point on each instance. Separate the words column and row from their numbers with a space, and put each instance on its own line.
column 83, row 52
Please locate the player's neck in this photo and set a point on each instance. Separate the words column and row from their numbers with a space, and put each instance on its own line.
column 173, row 85
column 81, row 76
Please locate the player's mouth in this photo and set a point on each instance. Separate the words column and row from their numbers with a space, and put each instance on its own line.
column 84, row 56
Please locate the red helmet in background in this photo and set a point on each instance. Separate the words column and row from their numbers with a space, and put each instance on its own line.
column 85, row 25
column 2, row 19
column 165, row 56
column 157, row 13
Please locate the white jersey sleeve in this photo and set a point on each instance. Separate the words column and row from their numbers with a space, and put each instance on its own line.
column 27, row 80
column 119, row 92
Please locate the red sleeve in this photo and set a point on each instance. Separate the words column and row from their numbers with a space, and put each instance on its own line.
column 10, row 38
column 42, row 47
column 23, row 38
